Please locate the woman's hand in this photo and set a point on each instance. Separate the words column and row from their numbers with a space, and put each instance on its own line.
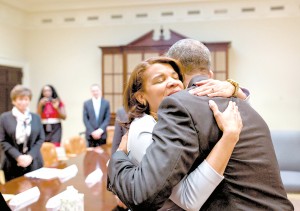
column 55, row 103
column 43, row 101
column 230, row 121
column 213, row 88
column 24, row 160
column 61, row 110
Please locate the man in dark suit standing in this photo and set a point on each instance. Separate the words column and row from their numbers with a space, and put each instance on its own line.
column 96, row 117
column 183, row 137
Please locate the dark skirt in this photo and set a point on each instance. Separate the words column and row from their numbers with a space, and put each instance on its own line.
column 12, row 170
column 53, row 132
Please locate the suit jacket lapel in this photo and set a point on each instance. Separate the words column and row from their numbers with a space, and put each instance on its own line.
column 33, row 125
column 102, row 107
column 13, row 123
column 91, row 110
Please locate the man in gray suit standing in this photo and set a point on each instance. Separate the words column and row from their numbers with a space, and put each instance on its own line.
column 96, row 117
column 183, row 137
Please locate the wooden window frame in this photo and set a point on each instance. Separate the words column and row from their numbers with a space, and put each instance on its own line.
column 147, row 45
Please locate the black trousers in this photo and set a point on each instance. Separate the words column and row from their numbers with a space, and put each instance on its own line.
column 53, row 132
column 96, row 143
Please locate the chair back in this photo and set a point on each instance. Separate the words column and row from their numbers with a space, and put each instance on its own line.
column 2, row 177
column 75, row 145
column 48, row 151
column 110, row 134
column 287, row 146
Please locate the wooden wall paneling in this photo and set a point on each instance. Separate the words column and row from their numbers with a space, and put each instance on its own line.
column 142, row 48
column 9, row 77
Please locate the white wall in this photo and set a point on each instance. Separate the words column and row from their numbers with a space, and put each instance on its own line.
column 264, row 55
column 70, row 60
column 12, row 40
column 265, row 58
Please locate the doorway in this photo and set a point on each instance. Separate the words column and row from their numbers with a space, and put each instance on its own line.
column 9, row 77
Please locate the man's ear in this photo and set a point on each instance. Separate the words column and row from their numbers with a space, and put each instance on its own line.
column 140, row 98
column 211, row 74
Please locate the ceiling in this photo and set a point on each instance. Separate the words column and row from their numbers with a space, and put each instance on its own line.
column 58, row 5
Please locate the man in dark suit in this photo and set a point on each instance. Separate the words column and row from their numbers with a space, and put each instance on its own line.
column 96, row 117
column 183, row 137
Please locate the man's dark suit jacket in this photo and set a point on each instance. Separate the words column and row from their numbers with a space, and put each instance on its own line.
column 90, row 121
column 12, row 150
column 121, row 116
column 187, row 131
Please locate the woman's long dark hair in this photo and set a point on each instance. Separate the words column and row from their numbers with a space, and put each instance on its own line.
column 54, row 93
column 132, row 106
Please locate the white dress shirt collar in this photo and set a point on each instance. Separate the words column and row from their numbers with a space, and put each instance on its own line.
column 97, row 106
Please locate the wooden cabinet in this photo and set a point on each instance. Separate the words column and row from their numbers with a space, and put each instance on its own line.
column 9, row 77
column 119, row 61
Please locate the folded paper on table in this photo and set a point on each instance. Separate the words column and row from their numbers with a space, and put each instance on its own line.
column 53, row 203
column 69, row 199
column 67, row 173
column 24, row 199
column 44, row 173
column 8, row 197
column 94, row 177
column 51, row 173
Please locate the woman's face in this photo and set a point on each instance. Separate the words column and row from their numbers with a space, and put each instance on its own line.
column 47, row 92
column 160, row 80
column 21, row 103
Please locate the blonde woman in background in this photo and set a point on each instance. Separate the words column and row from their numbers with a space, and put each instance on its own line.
column 21, row 136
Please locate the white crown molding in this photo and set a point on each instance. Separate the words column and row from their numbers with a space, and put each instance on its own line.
column 163, row 13
column 62, row 5
column 12, row 16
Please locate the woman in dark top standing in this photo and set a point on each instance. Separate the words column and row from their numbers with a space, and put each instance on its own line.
column 21, row 136
column 51, row 110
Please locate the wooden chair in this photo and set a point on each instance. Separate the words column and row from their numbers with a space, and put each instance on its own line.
column 75, row 145
column 48, row 151
column 2, row 177
column 110, row 134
